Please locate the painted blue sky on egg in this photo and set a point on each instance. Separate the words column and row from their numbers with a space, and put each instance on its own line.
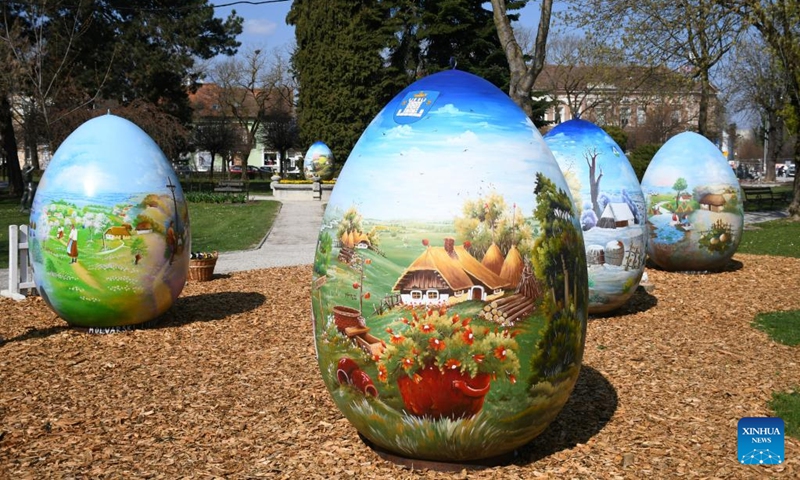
column 691, row 156
column 473, row 140
column 570, row 141
column 107, row 154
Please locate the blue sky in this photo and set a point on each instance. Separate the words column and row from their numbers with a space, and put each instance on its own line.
column 265, row 23
column 467, row 146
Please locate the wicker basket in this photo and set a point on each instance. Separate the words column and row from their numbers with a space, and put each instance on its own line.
column 345, row 317
column 201, row 270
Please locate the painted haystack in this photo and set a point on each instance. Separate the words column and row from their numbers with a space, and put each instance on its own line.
column 493, row 259
column 512, row 267
column 354, row 239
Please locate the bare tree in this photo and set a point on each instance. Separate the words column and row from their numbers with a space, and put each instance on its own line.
column 523, row 75
column 694, row 35
column 757, row 88
column 217, row 136
column 250, row 87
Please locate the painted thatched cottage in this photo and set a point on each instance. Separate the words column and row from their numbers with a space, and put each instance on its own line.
column 448, row 275
column 119, row 232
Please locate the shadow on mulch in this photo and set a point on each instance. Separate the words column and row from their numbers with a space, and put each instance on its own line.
column 731, row 266
column 209, row 307
column 640, row 302
column 35, row 333
column 589, row 408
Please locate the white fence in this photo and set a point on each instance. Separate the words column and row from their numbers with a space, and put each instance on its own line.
column 20, row 273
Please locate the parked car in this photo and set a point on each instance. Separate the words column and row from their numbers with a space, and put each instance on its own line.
column 792, row 170
column 266, row 169
column 251, row 171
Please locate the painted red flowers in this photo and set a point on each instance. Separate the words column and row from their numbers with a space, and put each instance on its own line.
column 449, row 342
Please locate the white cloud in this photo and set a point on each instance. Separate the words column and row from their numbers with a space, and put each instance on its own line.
column 400, row 131
column 448, row 109
column 259, row 26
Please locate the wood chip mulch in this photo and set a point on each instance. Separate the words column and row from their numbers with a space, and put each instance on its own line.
column 227, row 386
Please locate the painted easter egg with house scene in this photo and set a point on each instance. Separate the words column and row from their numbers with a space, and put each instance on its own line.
column 318, row 162
column 612, row 209
column 695, row 214
column 110, row 227
column 449, row 290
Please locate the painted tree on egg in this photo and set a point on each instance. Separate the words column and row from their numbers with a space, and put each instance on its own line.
column 560, row 262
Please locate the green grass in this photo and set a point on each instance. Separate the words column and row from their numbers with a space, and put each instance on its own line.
column 777, row 237
column 9, row 215
column 783, row 327
column 221, row 227
column 787, row 407
column 230, row 226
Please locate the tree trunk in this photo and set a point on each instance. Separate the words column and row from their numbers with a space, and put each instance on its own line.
column 794, row 207
column 522, row 76
column 705, row 93
column 775, row 141
column 9, row 144
column 594, row 182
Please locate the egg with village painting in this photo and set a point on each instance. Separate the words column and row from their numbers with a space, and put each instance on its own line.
column 110, row 228
column 318, row 162
column 606, row 191
column 695, row 214
column 449, row 293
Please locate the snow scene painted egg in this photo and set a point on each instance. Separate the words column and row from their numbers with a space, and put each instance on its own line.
column 318, row 162
column 695, row 214
column 611, row 206
column 449, row 259
column 110, row 228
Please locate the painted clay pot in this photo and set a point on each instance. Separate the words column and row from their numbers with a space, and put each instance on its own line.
column 450, row 257
column 432, row 393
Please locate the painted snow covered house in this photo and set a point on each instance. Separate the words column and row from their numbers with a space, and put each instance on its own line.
column 448, row 275
column 616, row 215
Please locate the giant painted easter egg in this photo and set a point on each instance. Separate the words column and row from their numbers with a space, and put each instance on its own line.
column 111, row 239
column 450, row 294
column 611, row 205
column 318, row 162
column 695, row 215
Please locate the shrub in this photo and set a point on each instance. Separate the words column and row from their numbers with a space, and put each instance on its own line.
column 215, row 197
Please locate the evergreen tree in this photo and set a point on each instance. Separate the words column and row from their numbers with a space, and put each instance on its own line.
column 339, row 68
column 462, row 30
column 66, row 57
column 559, row 262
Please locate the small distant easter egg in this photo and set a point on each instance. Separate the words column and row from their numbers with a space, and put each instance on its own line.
column 611, row 205
column 450, row 293
column 695, row 214
column 318, row 162
column 110, row 236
